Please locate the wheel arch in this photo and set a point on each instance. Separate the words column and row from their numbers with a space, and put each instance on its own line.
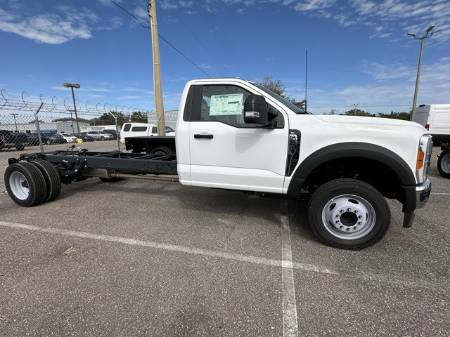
column 355, row 150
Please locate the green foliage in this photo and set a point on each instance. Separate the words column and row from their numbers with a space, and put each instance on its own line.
column 396, row 115
column 274, row 85
column 139, row 117
column 392, row 115
column 107, row 119
column 358, row 112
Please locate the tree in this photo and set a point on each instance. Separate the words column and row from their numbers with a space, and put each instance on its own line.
column 139, row 117
column 107, row 119
column 358, row 112
column 274, row 85
column 396, row 115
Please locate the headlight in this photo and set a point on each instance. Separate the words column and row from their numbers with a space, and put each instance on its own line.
column 423, row 158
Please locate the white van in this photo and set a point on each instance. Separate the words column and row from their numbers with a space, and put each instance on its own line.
column 436, row 118
column 141, row 130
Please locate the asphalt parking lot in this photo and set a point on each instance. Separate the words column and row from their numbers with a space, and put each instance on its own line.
column 137, row 258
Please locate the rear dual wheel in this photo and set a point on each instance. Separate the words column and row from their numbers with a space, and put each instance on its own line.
column 32, row 183
column 51, row 177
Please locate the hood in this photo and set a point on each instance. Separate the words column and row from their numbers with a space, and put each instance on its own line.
column 372, row 122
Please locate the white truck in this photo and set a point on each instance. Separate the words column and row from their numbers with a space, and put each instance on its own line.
column 436, row 119
column 237, row 135
column 142, row 130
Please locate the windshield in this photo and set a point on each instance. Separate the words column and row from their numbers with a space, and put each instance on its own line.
column 281, row 99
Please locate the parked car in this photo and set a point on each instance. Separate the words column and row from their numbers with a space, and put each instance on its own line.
column 9, row 139
column 111, row 132
column 32, row 139
column 100, row 135
column 69, row 138
column 142, row 130
column 86, row 138
column 55, row 138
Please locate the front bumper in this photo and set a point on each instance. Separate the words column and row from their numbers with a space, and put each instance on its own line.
column 423, row 192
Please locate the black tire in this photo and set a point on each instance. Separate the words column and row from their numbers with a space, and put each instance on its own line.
column 358, row 193
column 51, row 176
column 20, row 147
column 35, row 181
column 443, row 164
column 162, row 151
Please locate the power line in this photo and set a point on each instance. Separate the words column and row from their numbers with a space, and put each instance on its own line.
column 170, row 44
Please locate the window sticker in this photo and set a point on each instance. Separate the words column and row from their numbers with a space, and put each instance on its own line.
column 222, row 105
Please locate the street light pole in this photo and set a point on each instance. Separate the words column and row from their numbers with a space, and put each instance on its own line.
column 72, row 86
column 157, row 87
column 15, row 122
column 428, row 33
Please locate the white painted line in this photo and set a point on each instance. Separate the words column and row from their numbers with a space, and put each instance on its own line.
column 290, row 323
column 439, row 193
column 169, row 247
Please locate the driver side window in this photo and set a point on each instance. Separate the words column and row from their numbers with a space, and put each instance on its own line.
column 220, row 103
column 223, row 103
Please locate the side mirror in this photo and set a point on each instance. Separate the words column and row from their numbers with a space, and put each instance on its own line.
column 256, row 110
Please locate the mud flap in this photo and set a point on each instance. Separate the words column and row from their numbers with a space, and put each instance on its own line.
column 408, row 219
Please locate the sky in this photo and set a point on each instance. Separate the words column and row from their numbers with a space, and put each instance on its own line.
column 359, row 51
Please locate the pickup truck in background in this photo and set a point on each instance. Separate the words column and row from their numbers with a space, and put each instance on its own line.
column 237, row 135
column 9, row 140
column 142, row 130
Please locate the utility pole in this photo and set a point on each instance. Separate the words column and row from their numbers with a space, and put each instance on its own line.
column 157, row 89
column 428, row 33
column 72, row 86
column 15, row 121
column 306, row 81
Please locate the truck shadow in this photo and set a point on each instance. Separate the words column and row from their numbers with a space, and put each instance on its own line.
column 210, row 201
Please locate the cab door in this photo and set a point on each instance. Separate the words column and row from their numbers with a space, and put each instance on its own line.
column 224, row 151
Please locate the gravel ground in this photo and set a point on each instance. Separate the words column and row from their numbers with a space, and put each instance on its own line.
column 137, row 258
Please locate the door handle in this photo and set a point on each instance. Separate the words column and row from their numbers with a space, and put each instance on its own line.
column 203, row 136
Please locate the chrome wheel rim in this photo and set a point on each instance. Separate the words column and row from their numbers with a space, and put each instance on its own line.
column 348, row 217
column 445, row 163
column 19, row 185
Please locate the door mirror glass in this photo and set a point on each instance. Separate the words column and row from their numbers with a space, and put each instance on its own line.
column 256, row 110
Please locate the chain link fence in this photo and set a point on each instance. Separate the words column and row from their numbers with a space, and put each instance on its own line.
column 42, row 122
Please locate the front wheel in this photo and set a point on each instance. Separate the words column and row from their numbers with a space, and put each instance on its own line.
column 349, row 214
column 443, row 164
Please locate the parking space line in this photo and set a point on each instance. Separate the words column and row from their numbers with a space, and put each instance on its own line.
column 290, row 323
column 439, row 193
column 170, row 247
